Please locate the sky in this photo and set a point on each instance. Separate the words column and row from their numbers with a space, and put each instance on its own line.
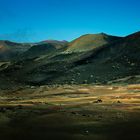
column 37, row 20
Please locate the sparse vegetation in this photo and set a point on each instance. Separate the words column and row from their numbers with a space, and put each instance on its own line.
column 70, row 112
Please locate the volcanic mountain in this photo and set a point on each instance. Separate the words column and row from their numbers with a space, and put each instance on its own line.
column 107, row 59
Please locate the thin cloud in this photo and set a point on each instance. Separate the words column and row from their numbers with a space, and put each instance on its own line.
column 21, row 35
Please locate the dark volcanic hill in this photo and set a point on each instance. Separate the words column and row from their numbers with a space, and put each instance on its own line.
column 116, row 60
column 109, row 62
column 44, row 48
column 57, row 42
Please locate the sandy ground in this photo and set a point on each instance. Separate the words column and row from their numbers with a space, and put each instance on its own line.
column 71, row 112
column 126, row 96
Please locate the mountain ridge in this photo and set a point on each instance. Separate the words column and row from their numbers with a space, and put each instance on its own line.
column 102, row 64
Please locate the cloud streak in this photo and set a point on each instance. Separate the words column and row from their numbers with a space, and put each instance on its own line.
column 21, row 35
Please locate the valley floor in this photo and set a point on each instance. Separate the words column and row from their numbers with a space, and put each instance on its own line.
column 70, row 112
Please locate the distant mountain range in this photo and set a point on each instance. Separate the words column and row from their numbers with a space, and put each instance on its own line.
column 92, row 58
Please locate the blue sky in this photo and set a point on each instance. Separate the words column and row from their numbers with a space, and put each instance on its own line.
column 36, row 20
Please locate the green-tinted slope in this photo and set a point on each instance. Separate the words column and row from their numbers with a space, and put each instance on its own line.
column 90, row 41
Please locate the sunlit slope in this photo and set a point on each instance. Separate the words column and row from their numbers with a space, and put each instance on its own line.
column 90, row 41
